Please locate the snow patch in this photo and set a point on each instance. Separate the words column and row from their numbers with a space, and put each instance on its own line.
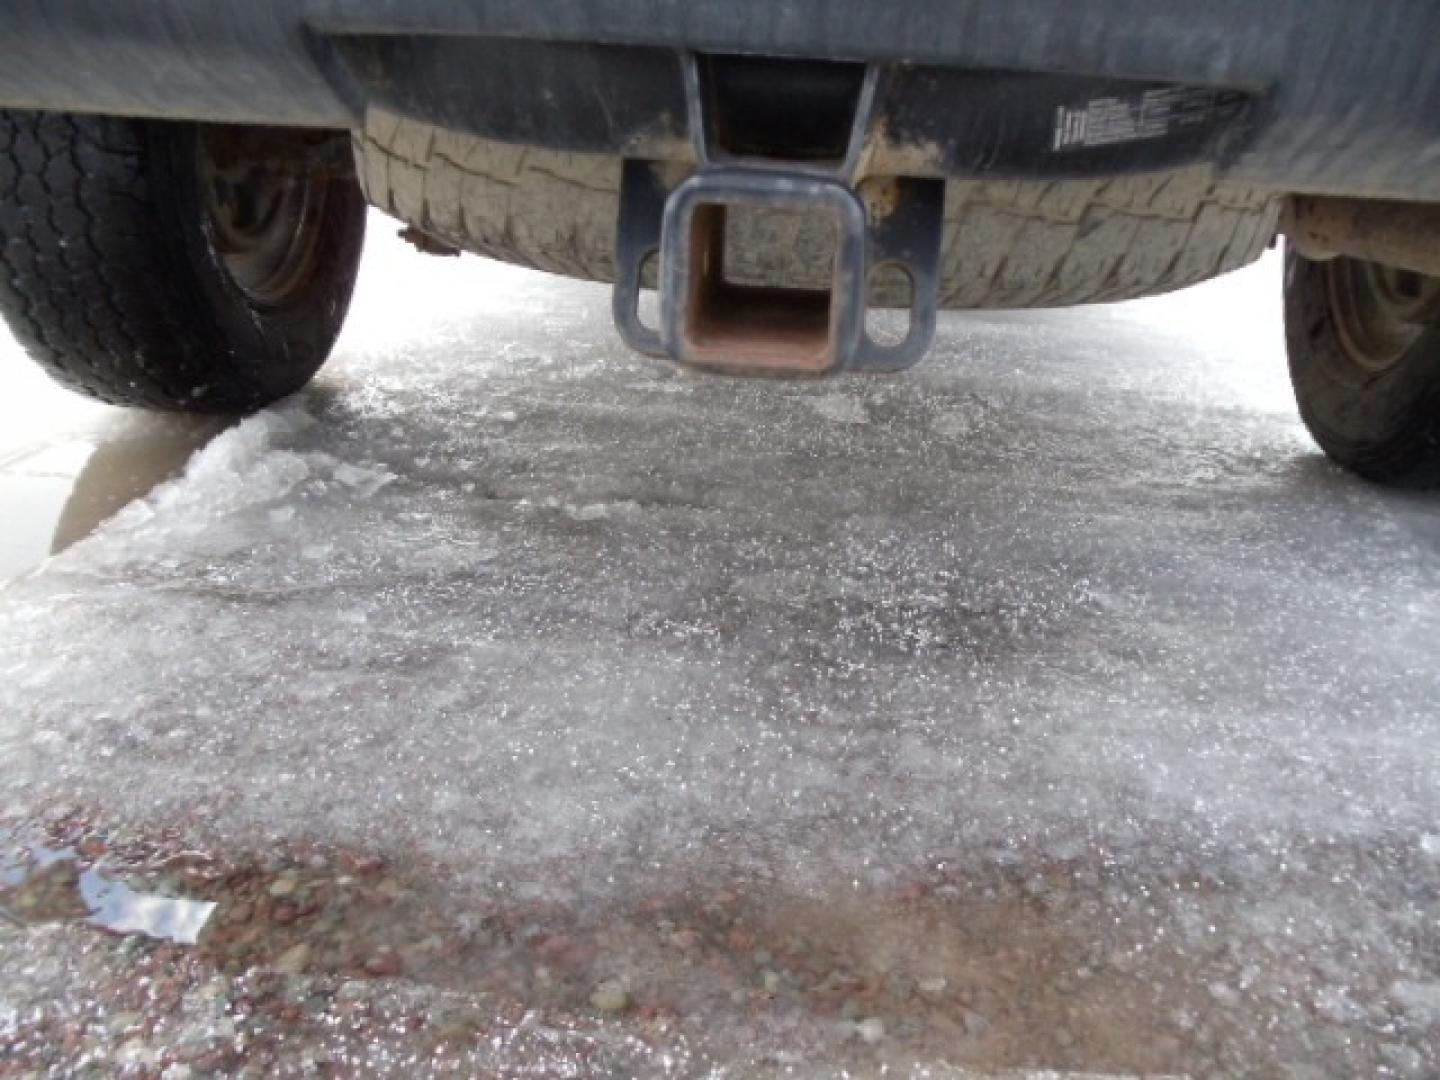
column 1420, row 1000
column 957, row 423
column 596, row 511
column 365, row 482
column 840, row 408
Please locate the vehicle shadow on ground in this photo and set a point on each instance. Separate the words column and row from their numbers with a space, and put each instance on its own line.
column 1315, row 472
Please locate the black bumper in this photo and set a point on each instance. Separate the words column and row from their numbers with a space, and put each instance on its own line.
column 1328, row 96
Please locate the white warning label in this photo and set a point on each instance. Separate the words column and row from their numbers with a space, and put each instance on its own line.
column 1152, row 115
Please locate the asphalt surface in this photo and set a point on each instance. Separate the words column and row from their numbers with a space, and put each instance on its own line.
column 523, row 705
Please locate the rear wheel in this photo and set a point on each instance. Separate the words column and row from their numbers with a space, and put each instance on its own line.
column 1364, row 345
column 193, row 267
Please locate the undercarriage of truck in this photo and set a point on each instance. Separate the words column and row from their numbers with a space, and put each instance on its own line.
column 192, row 176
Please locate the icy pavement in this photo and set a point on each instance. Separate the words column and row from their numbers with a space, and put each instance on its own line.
column 525, row 706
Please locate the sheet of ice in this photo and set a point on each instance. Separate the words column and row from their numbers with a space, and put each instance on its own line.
column 1078, row 592
column 1125, row 610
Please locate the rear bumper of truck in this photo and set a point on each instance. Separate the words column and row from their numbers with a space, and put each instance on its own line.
column 1318, row 96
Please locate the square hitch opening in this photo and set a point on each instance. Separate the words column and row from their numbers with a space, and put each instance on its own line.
column 707, row 321
column 745, row 326
column 710, row 322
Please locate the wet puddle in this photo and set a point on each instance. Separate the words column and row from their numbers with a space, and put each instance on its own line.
column 55, row 492
column 53, row 884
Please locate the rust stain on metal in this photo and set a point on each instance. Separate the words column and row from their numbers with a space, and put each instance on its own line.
column 749, row 330
column 884, row 155
column 881, row 195
column 670, row 174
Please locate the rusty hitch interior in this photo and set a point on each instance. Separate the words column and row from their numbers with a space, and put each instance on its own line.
column 750, row 327
column 711, row 323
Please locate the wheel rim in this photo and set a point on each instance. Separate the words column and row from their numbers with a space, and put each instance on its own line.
column 264, row 197
column 1380, row 311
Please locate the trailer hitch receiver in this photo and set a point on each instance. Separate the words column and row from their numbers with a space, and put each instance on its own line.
column 709, row 322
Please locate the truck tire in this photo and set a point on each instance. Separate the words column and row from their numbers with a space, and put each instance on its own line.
column 1364, row 347
column 181, row 266
column 1007, row 243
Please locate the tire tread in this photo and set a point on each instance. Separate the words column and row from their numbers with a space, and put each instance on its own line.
column 95, row 281
column 1007, row 243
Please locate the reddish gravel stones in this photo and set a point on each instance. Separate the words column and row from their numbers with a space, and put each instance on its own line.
column 336, row 953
